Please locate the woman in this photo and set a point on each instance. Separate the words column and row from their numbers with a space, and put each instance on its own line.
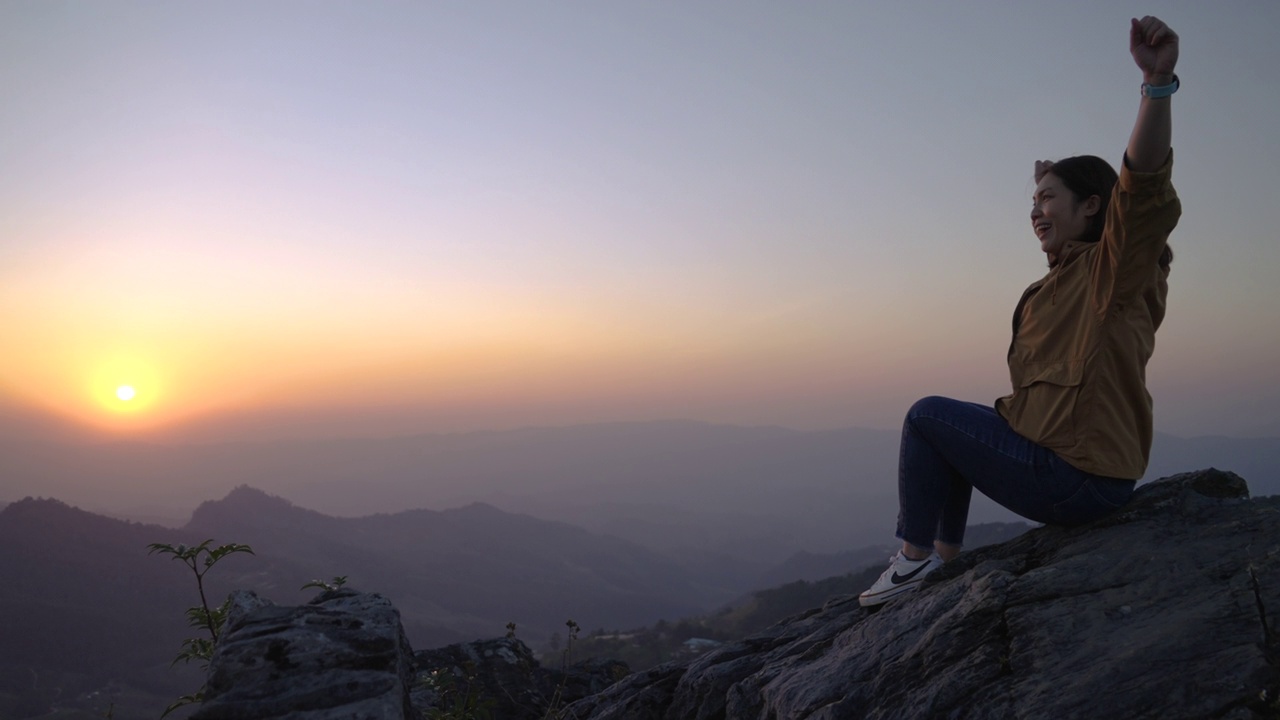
column 1068, row 444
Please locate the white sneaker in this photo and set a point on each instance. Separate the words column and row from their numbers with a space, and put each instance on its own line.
column 903, row 575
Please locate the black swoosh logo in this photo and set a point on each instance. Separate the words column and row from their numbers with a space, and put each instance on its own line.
column 896, row 579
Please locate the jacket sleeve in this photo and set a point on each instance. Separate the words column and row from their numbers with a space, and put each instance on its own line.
column 1143, row 211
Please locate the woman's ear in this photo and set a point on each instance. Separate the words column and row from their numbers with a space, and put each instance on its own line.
column 1092, row 205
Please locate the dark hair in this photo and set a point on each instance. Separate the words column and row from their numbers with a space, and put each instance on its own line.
column 1088, row 175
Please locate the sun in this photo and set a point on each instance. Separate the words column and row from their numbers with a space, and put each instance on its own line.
column 125, row 387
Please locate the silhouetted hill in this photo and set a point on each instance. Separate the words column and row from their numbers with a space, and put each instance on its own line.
column 76, row 568
column 82, row 606
column 465, row 572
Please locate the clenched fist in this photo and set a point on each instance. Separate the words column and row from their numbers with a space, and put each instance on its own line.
column 1154, row 47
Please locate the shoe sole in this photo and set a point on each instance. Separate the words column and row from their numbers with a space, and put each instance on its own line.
column 885, row 596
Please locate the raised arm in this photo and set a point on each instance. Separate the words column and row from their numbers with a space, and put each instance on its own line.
column 1155, row 49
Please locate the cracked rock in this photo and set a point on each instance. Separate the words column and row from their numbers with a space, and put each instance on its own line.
column 1149, row 613
column 343, row 656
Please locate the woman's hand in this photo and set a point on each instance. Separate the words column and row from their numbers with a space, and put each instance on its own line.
column 1154, row 47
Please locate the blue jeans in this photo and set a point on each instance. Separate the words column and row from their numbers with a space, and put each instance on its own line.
column 950, row 447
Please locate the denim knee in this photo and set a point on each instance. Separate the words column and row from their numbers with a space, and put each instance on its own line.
column 932, row 406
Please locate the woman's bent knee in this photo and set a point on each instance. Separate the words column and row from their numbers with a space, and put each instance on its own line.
column 933, row 406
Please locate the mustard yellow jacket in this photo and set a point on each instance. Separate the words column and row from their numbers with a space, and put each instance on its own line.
column 1082, row 336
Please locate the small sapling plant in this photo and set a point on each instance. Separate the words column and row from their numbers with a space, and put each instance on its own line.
column 457, row 702
column 557, row 698
column 200, row 559
column 327, row 585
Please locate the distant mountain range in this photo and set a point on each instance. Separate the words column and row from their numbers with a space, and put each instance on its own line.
column 465, row 573
column 83, row 602
column 728, row 502
column 84, row 606
column 754, row 494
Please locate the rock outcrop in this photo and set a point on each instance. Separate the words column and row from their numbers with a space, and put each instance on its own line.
column 340, row 657
column 1167, row 609
column 344, row 656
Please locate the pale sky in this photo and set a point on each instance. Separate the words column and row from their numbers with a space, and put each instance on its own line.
column 317, row 217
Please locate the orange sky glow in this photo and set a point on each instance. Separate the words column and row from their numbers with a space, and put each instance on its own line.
column 393, row 219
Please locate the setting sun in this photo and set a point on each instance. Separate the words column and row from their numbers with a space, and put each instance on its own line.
column 126, row 388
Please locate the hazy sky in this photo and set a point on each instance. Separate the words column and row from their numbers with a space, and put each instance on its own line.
column 292, row 217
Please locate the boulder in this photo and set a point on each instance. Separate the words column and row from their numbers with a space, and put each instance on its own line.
column 342, row 656
column 1166, row 609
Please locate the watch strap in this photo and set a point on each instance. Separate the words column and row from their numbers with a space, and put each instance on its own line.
column 1161, row 91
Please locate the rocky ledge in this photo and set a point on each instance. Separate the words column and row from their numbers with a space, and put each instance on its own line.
column 1166, row 609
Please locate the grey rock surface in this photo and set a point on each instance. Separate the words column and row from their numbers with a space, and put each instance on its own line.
column 1166, row 609
column 344, row 655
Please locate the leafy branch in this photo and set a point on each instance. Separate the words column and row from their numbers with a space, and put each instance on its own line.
column 200, row 559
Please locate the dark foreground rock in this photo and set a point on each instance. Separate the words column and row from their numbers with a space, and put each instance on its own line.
column 343, row 656
column 1167, row 609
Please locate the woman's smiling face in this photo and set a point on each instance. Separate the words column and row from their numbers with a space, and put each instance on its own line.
column 1057, row 217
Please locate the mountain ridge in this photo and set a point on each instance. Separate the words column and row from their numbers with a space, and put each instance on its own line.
column 727, row 501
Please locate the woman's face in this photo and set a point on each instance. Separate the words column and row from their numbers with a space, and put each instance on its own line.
column 1056, row 217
